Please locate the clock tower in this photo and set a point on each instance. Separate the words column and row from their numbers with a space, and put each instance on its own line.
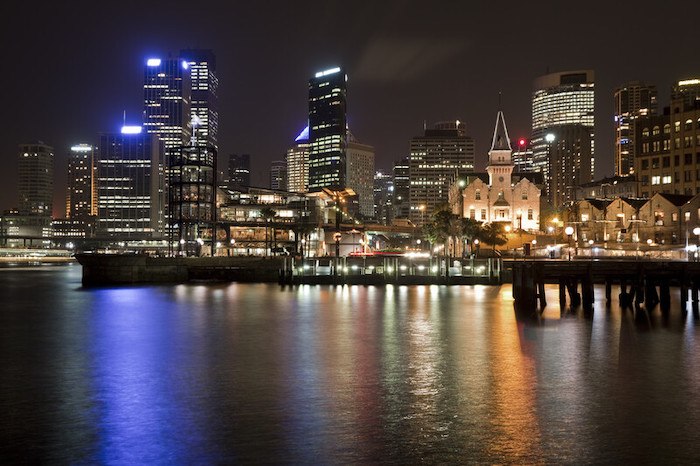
column 500, row 167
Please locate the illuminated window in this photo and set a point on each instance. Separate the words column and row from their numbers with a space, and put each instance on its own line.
column 656, row 179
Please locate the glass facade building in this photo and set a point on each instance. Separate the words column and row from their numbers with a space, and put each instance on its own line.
column 204, row 84
column 166, row 95
column 632, row 100
column 35, row 182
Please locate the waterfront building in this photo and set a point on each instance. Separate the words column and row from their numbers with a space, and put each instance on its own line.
column 559, row 99
column 609, row 187
column 238, row 171
column 359, row 174
column 81, row 193
column 130, row 184
column 402, row 188
column 278, row 175
column 327, row 130
column 632, row 100
column 35, row 180
column 437, row 159
column 298, row 163
column 499, row 197
column 204, row 84
column 662, row 218
column 569, row 165
column 167, row 101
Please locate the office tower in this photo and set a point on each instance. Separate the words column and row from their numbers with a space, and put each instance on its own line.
column 81, row 195
column 632, row 100
column 130, row 184
column 238, row 171
column 359, row 174
column 278, row 175
column 522, row 156
column 402, row 188
column 383, row 198
column 298, row 163
column 35, row 180
column 687, row 91
column 204, row 84
column 327, row 130
column 569, row 151
column 167, row 94
column 438, row 158
column 558, row 99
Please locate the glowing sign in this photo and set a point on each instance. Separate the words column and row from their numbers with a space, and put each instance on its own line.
column 689, row 82
column 131, row 129
column 327, row 72
column 153, row 62
column 81, row 148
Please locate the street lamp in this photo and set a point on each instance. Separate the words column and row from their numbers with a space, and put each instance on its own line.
column 569, row 231
column 422, row 210
column 233, row 243
column 696, row 232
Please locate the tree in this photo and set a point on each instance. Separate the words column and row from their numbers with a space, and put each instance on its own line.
column 470, row 229
column 493, row 234
column 268, row 214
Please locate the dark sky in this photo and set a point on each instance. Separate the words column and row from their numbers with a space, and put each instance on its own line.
column 69, row 72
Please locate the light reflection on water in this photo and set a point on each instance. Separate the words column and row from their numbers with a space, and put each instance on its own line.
column 224, row 373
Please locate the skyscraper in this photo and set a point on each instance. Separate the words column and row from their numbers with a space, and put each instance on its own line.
column 238, row 170
column 167, row 94
column 298, row 163
column 359, row 174
column 383, row 197
column 81, row 195
column 402, row 188
column 130, row 184
column 204, row 97
column 570, row 158
column 35, row 182
column 278, row 175
column 688, row 91
column 438, row 158
column 327, row 130
column 632, row 100
column 565, row 98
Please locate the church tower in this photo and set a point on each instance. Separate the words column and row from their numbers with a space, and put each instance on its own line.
column 500, row 167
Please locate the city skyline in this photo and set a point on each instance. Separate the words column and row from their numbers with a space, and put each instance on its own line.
column 452, row 69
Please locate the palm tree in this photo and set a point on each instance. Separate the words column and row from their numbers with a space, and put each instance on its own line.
column 470, row 229
column 268, row 214
column 492, row 233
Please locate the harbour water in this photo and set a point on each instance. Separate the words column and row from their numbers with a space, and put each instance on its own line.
column 228, row 373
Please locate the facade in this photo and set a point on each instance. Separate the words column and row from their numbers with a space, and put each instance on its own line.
column 652, row 140
column 522, row 156
column 130, row 181
column 569, row 164
column 500, row 198
column 167, row 101
column 81, row 195
column 298, row 163
column 278, row 175
column 327, row 130
column 402, row 188
column 359, row 174
column 383, row 198
column 687, row 91
column 437, row 159
column 238, row 170
column 559, row 99
column 632, row 100
column 35, row 181
column 204, row 85
column 609, row 187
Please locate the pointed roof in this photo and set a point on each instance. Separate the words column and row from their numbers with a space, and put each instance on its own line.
column 303, row 136
column 500, row 141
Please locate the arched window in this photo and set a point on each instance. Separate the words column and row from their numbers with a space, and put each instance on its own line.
column 656, row 130
column 645, row 132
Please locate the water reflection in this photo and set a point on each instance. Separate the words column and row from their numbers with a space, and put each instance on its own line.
column 256, row 373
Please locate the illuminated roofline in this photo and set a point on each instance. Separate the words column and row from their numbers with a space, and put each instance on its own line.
column 153, row 62
column 320, row 74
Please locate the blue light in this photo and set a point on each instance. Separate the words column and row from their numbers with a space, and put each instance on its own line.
column 131, row 129
column 185, row 65
column 303, row 136
column 153, row 62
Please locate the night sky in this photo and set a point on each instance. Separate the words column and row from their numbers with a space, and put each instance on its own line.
column 71, row 71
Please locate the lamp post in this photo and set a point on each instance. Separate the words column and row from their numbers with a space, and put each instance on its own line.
column 336, row 236
column 696, row 232
column 569, row 231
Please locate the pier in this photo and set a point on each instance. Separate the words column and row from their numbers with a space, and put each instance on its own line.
column 640, row 282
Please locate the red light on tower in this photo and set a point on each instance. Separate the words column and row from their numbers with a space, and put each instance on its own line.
column 521, row 142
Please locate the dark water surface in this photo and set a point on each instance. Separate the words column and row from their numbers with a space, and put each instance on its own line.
column 230, row 373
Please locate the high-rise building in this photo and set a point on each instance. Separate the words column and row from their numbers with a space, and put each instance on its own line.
column 438, row 158
column 35, row 182
column 167, row 101
column 383, row 197
column 278, row 175
column 130, row 182
column 687, row 91
column 569, row 150
column 81, row 193
column 522, row 155
column 327, row 130
column 359, row 174
column 558, row 99
column 402, row 188
column 632, row 100
column 238, row 170
column 204, row 96
column 298, row 163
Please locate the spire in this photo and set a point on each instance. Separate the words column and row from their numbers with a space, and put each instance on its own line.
column 501, row 141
